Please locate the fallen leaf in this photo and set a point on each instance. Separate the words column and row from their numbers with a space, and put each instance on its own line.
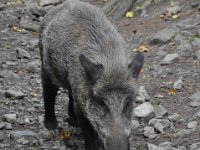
column 64, row 134
column 142, row 48
column 172, row 91
column 129, row 14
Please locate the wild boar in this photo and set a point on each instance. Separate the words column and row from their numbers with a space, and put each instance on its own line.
column 82, row 52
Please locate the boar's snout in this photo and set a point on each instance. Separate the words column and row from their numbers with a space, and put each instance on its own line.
column 117, row 140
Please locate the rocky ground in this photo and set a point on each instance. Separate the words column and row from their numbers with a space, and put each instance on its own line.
column 167, row 108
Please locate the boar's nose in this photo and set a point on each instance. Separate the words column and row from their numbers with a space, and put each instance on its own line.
column 117, row 140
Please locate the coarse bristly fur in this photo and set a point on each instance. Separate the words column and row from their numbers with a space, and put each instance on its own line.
column 83, row 53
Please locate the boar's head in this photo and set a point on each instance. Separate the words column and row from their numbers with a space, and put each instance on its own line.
column 110, row 104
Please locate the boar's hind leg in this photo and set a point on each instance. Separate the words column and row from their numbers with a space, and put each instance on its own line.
column 49, row 94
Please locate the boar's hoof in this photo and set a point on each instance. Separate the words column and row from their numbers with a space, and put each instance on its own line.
column 51, row 124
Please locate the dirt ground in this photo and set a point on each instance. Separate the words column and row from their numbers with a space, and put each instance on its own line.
column 19, row 70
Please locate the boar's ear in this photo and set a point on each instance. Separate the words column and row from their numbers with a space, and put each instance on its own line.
column 136, row 64
column 93, row 71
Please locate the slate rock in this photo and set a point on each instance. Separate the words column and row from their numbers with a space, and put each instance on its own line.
column 11, row 118
column 28, row 25
column 160, row 111
column 20, row 134
column 192, row 125
column 22, row 53
column 169, row 58
column 2, row 125
column 178, row 84
column 184, row 132
column 175, row 117
column 163, row 36
column 174, row 9
column 14, row 93
column 165, row 122
column 143, row 110
column 9, row 75
column 33, row 43
column 33, row 67
column 143, row 93
column 149, row 132
column 9, row 126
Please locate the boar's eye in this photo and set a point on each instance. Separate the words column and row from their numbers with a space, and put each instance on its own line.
column 128, row 106
column 101, row 109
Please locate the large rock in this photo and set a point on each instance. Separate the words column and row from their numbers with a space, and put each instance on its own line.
column 143, row 110
column 169, row 58
column 22, row 53
column 163, row 36
column 11, row 118
column 192, row 125
column 14, row 93
column 9, row 76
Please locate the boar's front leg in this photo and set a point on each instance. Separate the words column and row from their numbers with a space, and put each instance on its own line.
column 72, row 120
column 49, row 94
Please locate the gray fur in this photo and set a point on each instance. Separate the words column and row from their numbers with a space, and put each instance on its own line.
column 76, row 28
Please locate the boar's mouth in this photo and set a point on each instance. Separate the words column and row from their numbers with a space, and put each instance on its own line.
column 94, row 139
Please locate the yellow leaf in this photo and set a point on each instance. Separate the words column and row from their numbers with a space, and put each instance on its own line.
column 141, row 48
column 144, row 48
column 64, row 134
column 172, row 91
column 129, row 14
